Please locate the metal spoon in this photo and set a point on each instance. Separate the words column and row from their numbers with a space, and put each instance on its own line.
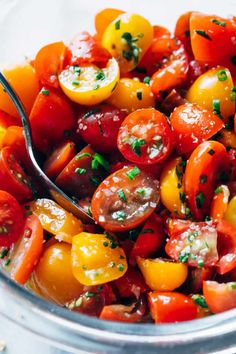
column 56, row 193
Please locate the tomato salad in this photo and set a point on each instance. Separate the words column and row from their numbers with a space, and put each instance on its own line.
column 137, row 125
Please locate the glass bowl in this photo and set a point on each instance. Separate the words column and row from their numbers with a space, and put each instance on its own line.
column 25, row 27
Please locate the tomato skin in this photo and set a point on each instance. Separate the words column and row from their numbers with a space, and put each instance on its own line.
column 197, row 276
column 117, row 214
column 226, row 246
column 49, row 62
column 28, row 250
column 219, row 297
column 100, row 129
column 182, row 31
column 50, row 117
column 11, row 219
column 12, row 177
column 170, row 307
column 209, row 159
column 152, row 129
column 131, row 284
column 150, row 239
column 103, row 18
column 189, row 123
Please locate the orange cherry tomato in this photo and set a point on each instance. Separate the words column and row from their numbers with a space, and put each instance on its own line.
column 219, row 297
column 103, row 18
column 28, row 250
column 219, row 203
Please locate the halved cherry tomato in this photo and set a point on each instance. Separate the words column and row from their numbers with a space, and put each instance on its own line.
column 83, row 173
column 58, row 160
column 219, row 297
column 24, row 81
column 125, row 199
column 11, row 219
column 168, row 307
column 193, row 243
column 53, row 275
column 28, row 251
column 182, row 31
column 145, row 137
column 131, row 284
column 103, row 18
column 49, row 62
column 226, row 246
column 207, row 166
column 97, row 259
column 12, row 177
column 219, row 203
column 192, row 125
column 162, row 274
column 122, row 313
column 50, row 117
column 6, row 120
column 150, row 239
column 55, row 219
column 99, row 127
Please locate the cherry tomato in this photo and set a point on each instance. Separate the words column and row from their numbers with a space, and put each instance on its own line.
column 122, row 313
column 213, row 90
column 83, row 173
column 12, row 177
column 145, row 137
column 131, row 284
column 207, row 166
column 6, row 120
column 97, row 258
column 219, row 297
column 171, row 101
column 53, row 275
column 11, row 219
column 55, row 219
column 58, row 160
column 226, row 246
column 103, row 18
column 150, row 239
column 193, row 243
column 50, row 117
column 192, row 125
column 196, row 278
column 168, row 307
column 125, row 199
column 171, row 275
column 24, row 81
column 227, row 138
column 127, row 38
column 49, row 62
column 182, row 31
column 131, row 94
column 219, row 203
column 28, row 250
column 99, row 127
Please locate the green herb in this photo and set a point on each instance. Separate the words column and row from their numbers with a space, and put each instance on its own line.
column 136, row 146
column 95, row 181
column 218, row 190
column 45, row 92
column 141, row 191
column 228, row 148
column 216, row 108
column 133, row 173
column 91, row 112
column 147, row 231
column 203, row 179
column 119, row 215
column 75, row 82
column 96, row 86
column 183, row 163
column 187, row 34
column 200, row 263
column 4, row 253
column 233, row 94
column 183, row 257
column 8, row 261
column 230, row 124
column 182, row 196
column 203, row 34
column 81, row 156
column 77, row 69
column 179, row 171
column 200, row 199
column 233, row 59
column 97, row 160
column 89, row 294
column 80, row 171
column 121, row 195
column 219, row 23
column 133, row 50
column 192, row 236
column 117, row 25
column 112, row 264
column 222, row 75
column 100, row 75
column 147, row 80
column 139, row 95
column 120, row 267
column 233, row 286
column 211, row 152
column 200, row 300
column 133, row 234
column 105, row 244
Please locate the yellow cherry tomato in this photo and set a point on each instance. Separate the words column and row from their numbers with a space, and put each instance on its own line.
column 53, row 276
column 230, row 214
column 228, row 138
column 88, row 84
column 127, row 38
column 171, row 188
column 215, row 84
column 97, row 259
column 131, row 94
column 24, row 81
column 162, row 275
column 56, row 220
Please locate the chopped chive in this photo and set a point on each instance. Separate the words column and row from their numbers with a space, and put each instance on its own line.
column 100, row 75
column 222, row 75
column 98, row 159
column 4, row 253
column 200, row 263
column 95, row 181
column 147, row 231
column 182, row 196
column 120, row 267
column 218, row 190
column 211, row 152
column 119, row 215
column 136, row 146
column 91, row 112
column 139, row 95
column 147, row 80
column 203, row 34
column 233, row 59
column 133, row 173
column 105, row 244
column 45, row 92
column 200, row 199
column 81, row 156
column 75, row 82
column 89, row 294
column 141, row 191
column 112, row 264
column 216, row 107
column 219, row 23
column 183, row 258
column 200, row 300
column 117, row 25
column 80, row 171
column 96, row 87
column 8, row 261
column 203, row 179
column 77, row 69
column 121, row 195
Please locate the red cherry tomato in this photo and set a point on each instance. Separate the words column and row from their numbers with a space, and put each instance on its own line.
column 12, row 177
column 226, row 246
column 197, row 276
column 207, row 167
column 6, row 120
column 125, row 199
column 131, row 284
column 11, row 219
column 145, row 137
column 169, row 307
column 28, row 251
column 182, row 31
column 192, row 125
column 219, row 297
column 99, row 127
column 50, row 118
